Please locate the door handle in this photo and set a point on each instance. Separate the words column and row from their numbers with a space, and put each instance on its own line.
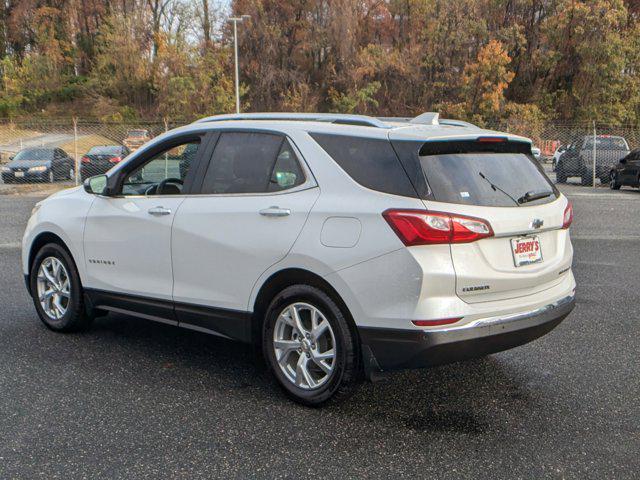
column 159, row 211
column 275, row 212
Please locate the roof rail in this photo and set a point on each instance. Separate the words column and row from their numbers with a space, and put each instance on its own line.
column 456, row 123
column 339, row 118
column 395, row 119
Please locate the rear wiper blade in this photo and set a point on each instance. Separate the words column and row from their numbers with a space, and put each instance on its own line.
column 533, row 195
column 497, row 188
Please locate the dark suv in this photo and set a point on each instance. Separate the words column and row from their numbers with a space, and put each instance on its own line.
column 577, row 160
column 626, row 172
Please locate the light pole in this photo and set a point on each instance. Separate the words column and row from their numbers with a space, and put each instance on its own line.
column 235, row 21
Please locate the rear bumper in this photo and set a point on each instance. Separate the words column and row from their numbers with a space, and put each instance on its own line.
column 391, row 349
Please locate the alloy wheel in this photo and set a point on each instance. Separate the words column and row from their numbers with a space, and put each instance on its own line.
column 54, row 288
column 304, row 345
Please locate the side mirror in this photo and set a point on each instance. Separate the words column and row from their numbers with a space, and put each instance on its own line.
column 96, row 185
column 623, row 161
column 11, row 157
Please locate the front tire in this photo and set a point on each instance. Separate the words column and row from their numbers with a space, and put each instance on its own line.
column 309, row 346
column 56, row 290
column 561, row 176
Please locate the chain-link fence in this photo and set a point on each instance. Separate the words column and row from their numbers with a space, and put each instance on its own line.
column 65, row 152
column 587, row 155
column 69, row 151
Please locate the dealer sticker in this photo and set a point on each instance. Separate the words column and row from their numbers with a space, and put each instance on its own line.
column 526, row 251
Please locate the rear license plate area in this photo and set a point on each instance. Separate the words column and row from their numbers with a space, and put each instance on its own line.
column 526, row 251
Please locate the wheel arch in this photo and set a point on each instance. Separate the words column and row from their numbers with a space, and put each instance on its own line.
column 40, row 241
column 284, row 278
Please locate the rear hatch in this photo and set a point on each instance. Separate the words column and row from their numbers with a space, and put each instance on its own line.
column 498, row 181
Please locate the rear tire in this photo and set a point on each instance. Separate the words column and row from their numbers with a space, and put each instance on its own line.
column 561, row 176
column 56, row 290
column 300, row 364
column 586, row 179
column 614, row 183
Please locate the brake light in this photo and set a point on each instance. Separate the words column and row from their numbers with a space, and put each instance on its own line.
column 491, row 139
column 435, row 323
column 86, row 159
column 568, row 216
column 422, row 227
column 115, row 160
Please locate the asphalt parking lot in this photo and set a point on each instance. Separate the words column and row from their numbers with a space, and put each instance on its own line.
column 136, row 399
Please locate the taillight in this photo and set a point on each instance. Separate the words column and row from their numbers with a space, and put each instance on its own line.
column 422, row 227
column 86, row 159
column 115, row 160
column 435, row 323
column 567, row 218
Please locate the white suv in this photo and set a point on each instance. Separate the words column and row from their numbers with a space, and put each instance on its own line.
column 342, row 245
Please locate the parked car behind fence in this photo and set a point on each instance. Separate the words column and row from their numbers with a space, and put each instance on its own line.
column 578, row 159
column 100, row 159
column 39, row 164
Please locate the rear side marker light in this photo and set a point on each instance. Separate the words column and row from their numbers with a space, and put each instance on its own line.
column 86, row 160
column 567, row 218
column 435, row 323
column 115, row 160
column 422, row 227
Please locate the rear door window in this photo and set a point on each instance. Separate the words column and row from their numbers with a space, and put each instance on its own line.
column 286, row 172
column 486, row 179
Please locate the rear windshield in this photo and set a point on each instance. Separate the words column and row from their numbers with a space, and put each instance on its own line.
column 137, row 133
column 106, row 150
column 485, row 179
column 607, row 143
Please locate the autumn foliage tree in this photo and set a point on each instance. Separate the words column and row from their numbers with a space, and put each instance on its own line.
column 517, row 62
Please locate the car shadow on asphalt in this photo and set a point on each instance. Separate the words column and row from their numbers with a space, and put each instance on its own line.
column 470, row 397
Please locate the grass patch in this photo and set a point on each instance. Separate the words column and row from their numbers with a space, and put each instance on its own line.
column 10, row 134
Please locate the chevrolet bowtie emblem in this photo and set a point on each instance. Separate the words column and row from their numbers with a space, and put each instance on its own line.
column 537, row 223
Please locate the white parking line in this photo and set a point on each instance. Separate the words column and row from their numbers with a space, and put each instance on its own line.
column 617, row 238
column 9, row 246
column 616, row 196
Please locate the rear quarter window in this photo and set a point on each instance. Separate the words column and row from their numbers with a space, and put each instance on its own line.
column 371, row 162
